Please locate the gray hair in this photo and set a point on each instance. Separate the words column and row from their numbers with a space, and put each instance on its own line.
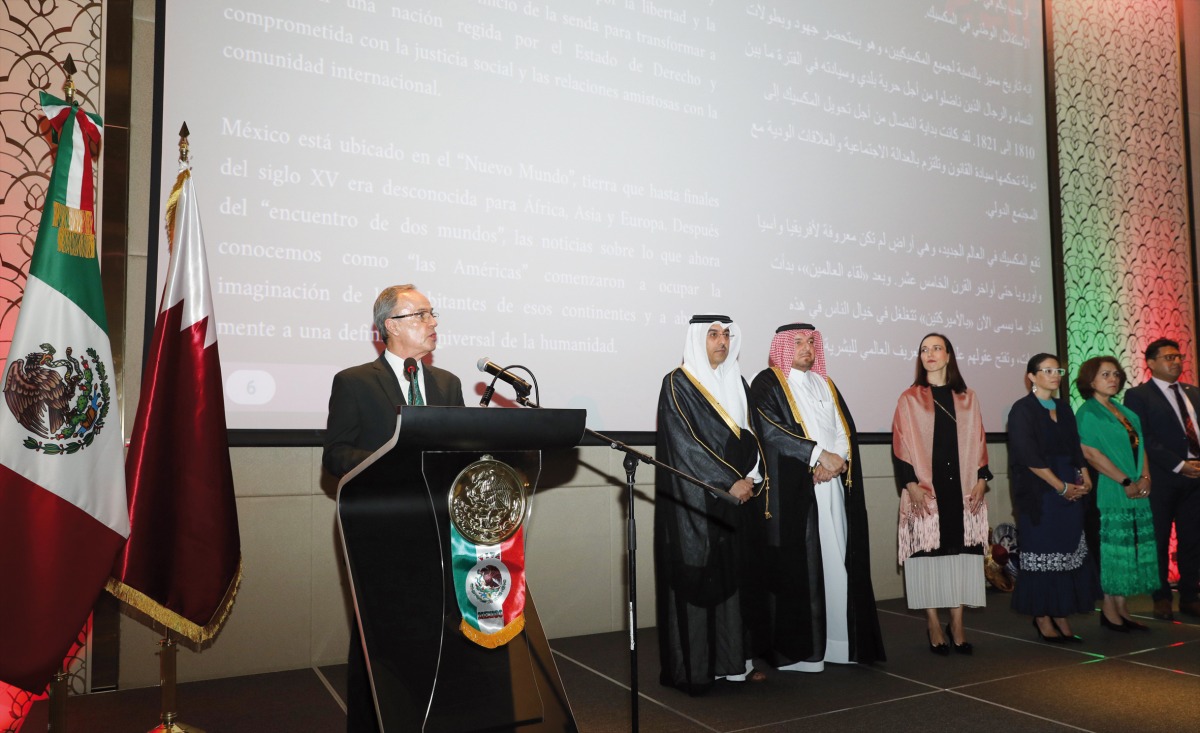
column 385, row 303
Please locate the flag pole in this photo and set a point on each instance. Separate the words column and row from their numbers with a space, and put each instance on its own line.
column 167, row 679
column 58, row 685
column 69, row 84
column 58, row 702
column 169, row 648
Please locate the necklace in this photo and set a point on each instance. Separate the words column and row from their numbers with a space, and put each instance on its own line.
column 948, row 413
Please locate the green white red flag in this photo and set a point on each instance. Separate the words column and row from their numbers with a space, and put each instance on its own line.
column 489, row 583
column 63, row 515
column 182, row 564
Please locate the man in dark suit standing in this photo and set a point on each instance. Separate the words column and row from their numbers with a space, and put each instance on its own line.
column 362, row 417
column 362, row 404
column 1168, row 411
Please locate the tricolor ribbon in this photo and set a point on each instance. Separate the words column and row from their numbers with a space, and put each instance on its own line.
column 489, row 583
column 78, row 136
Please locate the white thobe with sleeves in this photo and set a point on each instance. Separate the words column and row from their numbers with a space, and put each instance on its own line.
column 818, row 408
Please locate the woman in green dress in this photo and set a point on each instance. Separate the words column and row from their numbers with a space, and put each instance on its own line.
column 1112, row 443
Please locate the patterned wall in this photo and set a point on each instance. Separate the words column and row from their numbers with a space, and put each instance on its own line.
column 1128, row 268
column 36, row 37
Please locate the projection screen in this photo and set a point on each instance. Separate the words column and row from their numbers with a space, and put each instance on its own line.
column 569, row 182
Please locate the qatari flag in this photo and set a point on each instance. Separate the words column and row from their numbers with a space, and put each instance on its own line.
column 182, row 564
column 62, row 491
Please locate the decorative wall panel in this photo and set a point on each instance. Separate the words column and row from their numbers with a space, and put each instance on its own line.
column 1128, row 272
column 36, row 37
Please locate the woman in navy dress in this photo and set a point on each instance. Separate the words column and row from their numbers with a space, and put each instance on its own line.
column 1057, row 576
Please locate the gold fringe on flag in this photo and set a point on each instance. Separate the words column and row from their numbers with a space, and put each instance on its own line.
column 498, row 639
column 195, row 637
column 172, row 204
column 76, row 231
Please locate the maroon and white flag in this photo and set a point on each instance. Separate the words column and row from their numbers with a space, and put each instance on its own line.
column 182, row 563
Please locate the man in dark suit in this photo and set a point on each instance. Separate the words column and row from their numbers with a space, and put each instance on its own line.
column 1169, row 410
column 362, row 404
column 362, row 417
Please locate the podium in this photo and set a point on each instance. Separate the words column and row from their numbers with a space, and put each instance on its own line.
column 394, row 521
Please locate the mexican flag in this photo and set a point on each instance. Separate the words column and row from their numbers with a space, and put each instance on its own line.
column 63, row 516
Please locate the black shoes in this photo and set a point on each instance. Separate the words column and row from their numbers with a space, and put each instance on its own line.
column 1121, row 627
column 1133, row 625
column 942, row 650
column 1056, row 639
column 1070, row 638
column 964, row 648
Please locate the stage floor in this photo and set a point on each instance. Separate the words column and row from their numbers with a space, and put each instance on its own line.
column 1141, row 681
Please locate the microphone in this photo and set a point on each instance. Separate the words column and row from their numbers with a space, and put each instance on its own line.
column 503, row 374
column 410, row 368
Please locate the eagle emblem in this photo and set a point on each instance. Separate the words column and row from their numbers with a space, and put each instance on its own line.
column 489, row 586
column 58, row 399
column 488, row 501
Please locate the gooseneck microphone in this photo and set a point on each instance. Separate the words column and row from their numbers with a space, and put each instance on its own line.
column 410, row 368
column 503, row 374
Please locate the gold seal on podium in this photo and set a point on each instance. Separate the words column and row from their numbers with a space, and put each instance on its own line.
column 489, row 501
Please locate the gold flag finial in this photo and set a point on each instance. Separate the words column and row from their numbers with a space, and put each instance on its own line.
column 184, row 173
column 69, row 86
column 183, row 143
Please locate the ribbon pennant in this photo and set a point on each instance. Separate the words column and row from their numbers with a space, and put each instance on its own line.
column 488, row 505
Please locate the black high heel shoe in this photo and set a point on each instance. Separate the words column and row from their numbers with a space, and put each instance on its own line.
column 942, row 650
column 1049, row 639
column 964, row 648
column 1134, row 625
column 1121, row 627
column 1071, row 638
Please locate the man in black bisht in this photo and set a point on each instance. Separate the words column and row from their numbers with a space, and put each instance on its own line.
column 704, row 576
column 817, row 558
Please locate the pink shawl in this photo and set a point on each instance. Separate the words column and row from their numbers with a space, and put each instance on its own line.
column 912, row 442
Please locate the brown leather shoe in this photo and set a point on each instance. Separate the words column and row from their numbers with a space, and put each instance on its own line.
column 1162, row 609
column 1190, row 608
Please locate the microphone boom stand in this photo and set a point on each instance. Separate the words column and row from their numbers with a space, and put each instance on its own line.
column 632, row 458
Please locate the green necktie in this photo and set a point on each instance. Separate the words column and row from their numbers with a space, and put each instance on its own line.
column 414, row 393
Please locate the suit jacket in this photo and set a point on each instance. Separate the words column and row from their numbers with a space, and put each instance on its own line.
column 1165, row 441
column 362, row 409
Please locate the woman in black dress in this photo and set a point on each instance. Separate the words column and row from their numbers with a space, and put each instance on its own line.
column 1046, row 466
column 940, row 451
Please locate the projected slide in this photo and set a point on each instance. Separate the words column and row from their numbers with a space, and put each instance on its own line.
column 570, row 181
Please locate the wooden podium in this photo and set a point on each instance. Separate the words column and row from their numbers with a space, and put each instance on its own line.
column 394, row 520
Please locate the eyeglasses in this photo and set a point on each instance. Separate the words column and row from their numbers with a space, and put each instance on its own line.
column 1169, row 357
column 1051, row 371
column 422, row 316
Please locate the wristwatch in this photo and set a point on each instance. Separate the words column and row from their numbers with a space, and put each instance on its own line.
column 1127, row 481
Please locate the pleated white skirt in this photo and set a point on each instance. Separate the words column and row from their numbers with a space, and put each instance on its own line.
column 944, row 582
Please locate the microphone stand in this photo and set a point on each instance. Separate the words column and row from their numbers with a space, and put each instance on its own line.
column 632, row 458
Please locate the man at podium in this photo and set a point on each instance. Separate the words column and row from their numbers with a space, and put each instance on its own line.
column 362, row 417
column 362, row 405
